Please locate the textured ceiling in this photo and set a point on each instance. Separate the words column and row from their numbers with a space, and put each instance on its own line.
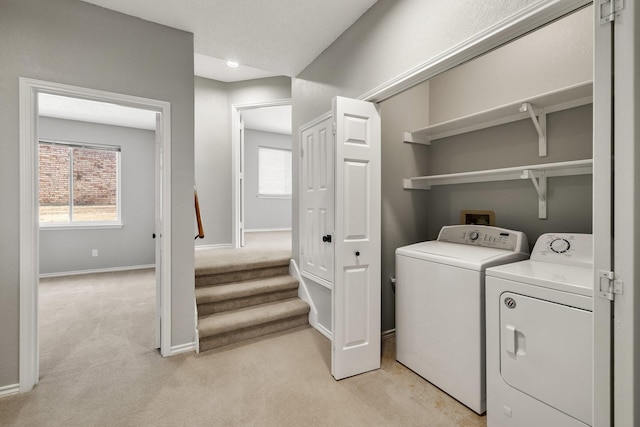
column 279, row 37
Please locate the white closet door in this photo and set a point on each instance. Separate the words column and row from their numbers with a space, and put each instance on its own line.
column 356, row 290
column 317, row 190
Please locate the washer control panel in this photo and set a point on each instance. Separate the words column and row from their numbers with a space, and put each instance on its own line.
column 564, row 248
column 484, row 235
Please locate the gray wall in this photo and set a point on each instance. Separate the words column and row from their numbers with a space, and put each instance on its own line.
column 391, row 38
column 213, row 102
column 569, row 137
column 555, row 56
column 68, row 250
column 404, row 213
column 72, row 42
column 213, row 160
column 263, row 213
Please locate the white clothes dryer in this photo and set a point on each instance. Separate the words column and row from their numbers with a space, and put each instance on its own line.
column 440, row 325
column 539, row 336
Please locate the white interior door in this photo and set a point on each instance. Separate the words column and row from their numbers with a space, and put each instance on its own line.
column 317, row 191
column 356, row 290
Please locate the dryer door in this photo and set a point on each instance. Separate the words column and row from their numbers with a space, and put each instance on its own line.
column 546, row 352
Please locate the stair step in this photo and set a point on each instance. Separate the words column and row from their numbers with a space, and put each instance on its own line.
column 221, row 329
column 240, row 275
column 231, row 296
column 209, row 266
column 231, row 322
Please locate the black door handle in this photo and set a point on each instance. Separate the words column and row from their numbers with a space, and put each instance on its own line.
column 327, row 238
column 154, row 235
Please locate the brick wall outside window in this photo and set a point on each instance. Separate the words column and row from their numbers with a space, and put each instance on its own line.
column 95, row 183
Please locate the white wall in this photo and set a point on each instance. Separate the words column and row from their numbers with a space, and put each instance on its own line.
column 213, row 102
column 263, row 213
column 72, row 42
column 69, row 250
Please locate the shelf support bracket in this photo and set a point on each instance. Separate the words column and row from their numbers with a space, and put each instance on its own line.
column 540, row 122
column 540, row 185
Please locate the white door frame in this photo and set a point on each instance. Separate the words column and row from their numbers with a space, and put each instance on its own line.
column 626, row 208
column 603, row 237
column 237, row 201
column 29, row 217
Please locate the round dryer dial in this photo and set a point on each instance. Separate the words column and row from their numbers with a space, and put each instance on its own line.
column 559, row 246
column 473, row 235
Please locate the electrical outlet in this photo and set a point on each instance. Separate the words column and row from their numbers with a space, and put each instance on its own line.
column 94, row 252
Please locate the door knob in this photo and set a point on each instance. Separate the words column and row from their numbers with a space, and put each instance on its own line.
column 327, row 238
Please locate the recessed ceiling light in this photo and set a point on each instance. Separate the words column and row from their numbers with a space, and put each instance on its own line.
column 232, row 64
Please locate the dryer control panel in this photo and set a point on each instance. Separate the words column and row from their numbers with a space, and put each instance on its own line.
column 486, row 236
column 564, row 248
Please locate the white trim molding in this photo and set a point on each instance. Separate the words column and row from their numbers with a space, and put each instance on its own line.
column 29, row 227
column 184, row 348
column 304, row 295
column 10, row 389
column 215, row 246
column 266, row 230
column 97, row 271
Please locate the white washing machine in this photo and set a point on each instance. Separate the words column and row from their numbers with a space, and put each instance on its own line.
column 539, row 336
column 440, row 332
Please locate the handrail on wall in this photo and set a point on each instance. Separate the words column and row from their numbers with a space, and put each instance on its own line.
column 198, row 217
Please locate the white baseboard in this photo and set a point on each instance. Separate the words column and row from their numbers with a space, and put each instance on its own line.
column 9, row 389
column 183, row 348
column 303, row 294
column 216, row 246
column 324, row 331
column 262, row 230
column 97, row 270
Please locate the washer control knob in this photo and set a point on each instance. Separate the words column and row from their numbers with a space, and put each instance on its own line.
column 473, row 235
column 559, row 246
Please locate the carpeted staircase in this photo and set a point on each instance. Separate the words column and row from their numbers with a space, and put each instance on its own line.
column 241, row 297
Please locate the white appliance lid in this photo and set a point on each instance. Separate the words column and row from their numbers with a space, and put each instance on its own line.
column 460, row 255
column 566, row 278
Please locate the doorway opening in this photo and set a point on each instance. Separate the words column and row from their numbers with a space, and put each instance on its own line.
column 157, row 113
column 261, row 170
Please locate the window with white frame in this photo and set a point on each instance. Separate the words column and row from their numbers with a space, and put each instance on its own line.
column 274, row 172
column 78, row 184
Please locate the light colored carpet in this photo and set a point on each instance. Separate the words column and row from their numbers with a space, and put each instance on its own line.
column 261, row 250
column 98, row 368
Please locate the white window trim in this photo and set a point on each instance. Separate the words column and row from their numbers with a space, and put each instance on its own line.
column 78, row 225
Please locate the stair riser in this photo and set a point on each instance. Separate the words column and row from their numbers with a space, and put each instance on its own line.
column 217, row 307
column 216, row 341
column 238, row 276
